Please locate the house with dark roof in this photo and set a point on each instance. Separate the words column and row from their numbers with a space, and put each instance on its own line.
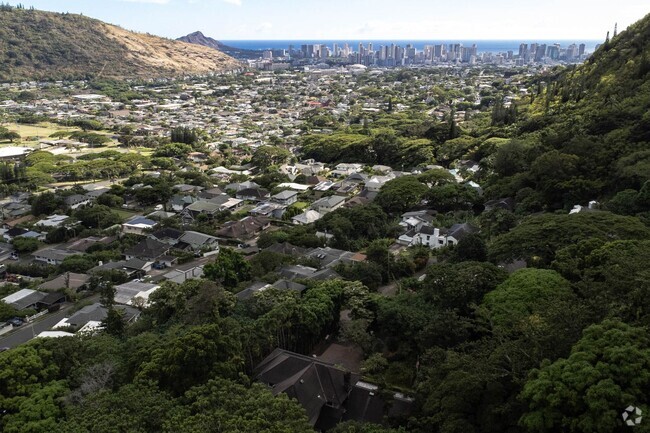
column 149, row 250
column 211, row 193
column 287, row 249
column 226, row 202
column 245, row 229
column 206, row 208
column 329, row 257
column 317, row 386
column 24, row 298
column 15, row 232
column 196, row 241
column 434, row 237
column 179, row 202
column 67, row 280
column 133, row 268
column 253, row 194
column 329, row 394
column 92, row 315
column 77, row 200
column 53, row 256
column 300, row 272
column 167, row 235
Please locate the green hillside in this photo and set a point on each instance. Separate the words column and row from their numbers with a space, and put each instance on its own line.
column 586, row 132
column 46, row 45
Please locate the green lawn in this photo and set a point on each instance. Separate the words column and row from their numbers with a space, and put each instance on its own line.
column 125, row 214
column 30, row 134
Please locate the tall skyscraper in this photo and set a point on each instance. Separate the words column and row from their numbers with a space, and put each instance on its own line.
column 523, row 50
column 581, row 49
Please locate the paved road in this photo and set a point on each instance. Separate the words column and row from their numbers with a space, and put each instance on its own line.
column 26, row 332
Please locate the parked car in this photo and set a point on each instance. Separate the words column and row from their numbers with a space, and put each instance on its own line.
column 16, row 321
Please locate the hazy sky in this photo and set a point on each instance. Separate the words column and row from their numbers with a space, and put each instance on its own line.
column 362, row 19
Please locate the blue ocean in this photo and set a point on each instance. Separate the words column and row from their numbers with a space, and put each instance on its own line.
column 491, row 46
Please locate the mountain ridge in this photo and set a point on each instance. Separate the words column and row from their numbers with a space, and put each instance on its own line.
column 47, row 45
column 198, row 38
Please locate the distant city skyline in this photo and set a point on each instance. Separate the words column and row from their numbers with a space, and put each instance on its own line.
column 362, row 20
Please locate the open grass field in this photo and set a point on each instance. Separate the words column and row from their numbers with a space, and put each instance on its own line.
column 30, row 134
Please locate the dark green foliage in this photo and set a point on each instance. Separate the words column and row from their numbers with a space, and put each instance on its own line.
column 470, row 248
column 97, row 216
column 537, row 238
column 7, row 311
column 25, row 245
column 185, row 135
column 45, row 203
column 402, row 194
column 356, row 226
column 229, row 269
column 173, row 150
column 607, row 371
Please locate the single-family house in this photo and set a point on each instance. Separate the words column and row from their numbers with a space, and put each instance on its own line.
column 269, row 210
column 90, row 317
column 149, row 250
column 197, row 241
column 207, row 208
column 253, row 194
column 12, row 233
column 434, row 237
column 77, row 200
column 344, row 169
column 286, row 197
column 329, row 257
column 53, row 221
column 134, row 293
column 53, row 256
column 138, row 225
column 179, row 202
column 167, row 235
column 307, row 217
column 226, row 202
column 416, row 219
column 328, row 204
column 244, row 229
column 243, row 185
column 376, row 182
column 211, row 193
column 67, row 280
column 24, row 298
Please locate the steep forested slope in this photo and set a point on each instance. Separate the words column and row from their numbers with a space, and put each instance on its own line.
column 586, row 132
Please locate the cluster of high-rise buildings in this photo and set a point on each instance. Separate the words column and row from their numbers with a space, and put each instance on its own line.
column 395, row 55
column 541, row 52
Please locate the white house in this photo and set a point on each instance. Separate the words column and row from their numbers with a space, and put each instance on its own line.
column 376, row 182
column 434, row 237
column 307, row 217
column 53, row 221
column 138, row 225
